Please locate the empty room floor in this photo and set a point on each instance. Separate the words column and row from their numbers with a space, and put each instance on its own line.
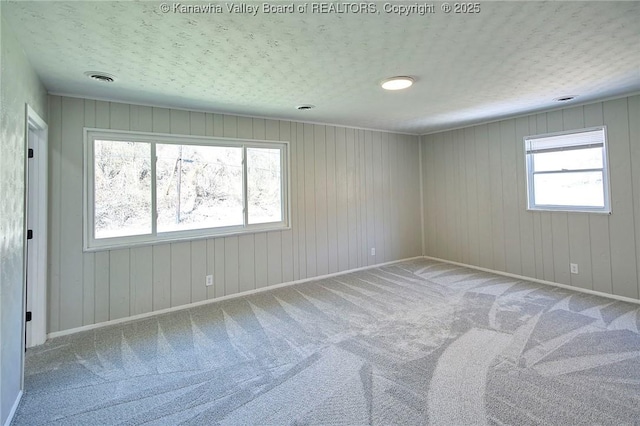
column 417, row 342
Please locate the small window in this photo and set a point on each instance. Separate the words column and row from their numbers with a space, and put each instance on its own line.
column 144, row 188
column 568, row 171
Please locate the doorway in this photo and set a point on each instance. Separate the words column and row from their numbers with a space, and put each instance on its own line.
column 35, row 289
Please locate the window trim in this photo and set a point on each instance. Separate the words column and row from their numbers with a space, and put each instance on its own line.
column 606, row 183
column 91, row 244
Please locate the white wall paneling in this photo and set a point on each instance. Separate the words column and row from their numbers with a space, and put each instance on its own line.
column 474, row 194
column 321, row 212
column 351, row 190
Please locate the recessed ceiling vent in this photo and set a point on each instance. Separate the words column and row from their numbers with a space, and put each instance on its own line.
column 305, row 107
column 565, row 98
column 102, row 77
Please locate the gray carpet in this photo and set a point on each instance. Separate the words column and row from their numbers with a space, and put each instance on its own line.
column 418, row 342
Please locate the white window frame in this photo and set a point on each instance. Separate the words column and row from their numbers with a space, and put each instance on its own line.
column 155, row 237
column 532, row 206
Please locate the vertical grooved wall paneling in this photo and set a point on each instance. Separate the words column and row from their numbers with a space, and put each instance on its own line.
column 320, row 160
column 332, row 214
column 463, row 203
column 362, row 205
column 342, row 209
column 89, row 259
column 289, row 241
column 621, row 223
column 71, row 275
column 475, row 196
column 350, row 191
column 309, row 197
column 299, row 218
column 472, row 195
column 352, row 218
column 55, row 201
column 369, row 197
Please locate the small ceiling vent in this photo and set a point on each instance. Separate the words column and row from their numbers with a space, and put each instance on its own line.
column 305, row 107
column 565, row 98
column 100, row 76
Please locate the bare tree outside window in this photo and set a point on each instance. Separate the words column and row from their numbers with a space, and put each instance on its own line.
column 264, row 185
column 122, row 188
column 198, row 186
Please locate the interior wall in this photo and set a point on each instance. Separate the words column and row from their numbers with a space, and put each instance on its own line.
column 352, row 190
column 19, row 85
column 474, row 194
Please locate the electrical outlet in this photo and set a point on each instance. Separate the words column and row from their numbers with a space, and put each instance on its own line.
column 209, row 280
column 373, row 251
column 574, row 268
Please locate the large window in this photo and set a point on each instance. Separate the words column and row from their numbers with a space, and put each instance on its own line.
column 145, row 188
column 568, row 171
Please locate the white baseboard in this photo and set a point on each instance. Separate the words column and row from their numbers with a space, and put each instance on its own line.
column 14, row 408
column 536, row 280
column 218, row 299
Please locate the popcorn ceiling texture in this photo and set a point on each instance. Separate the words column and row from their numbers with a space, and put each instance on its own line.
column 512, row 57
column 19, row 85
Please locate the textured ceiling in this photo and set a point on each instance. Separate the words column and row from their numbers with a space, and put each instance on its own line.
column 511, row 58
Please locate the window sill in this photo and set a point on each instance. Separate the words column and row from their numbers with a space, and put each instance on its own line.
column 566, row 210
column 186, row 236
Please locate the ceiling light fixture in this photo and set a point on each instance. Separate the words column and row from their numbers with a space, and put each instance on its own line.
column 565, row 98
column 397, row 83
column 102, row 77
column 305, row 107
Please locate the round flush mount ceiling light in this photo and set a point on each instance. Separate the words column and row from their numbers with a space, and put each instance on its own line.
column 102, row 77
column 397, row 83
column 305, row 107
column 565, row 98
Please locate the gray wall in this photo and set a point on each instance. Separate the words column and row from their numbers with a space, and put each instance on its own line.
column 351, row 190
column 19, row 85
column 475, row 198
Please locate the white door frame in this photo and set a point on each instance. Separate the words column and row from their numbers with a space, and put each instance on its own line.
column 35, row 218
